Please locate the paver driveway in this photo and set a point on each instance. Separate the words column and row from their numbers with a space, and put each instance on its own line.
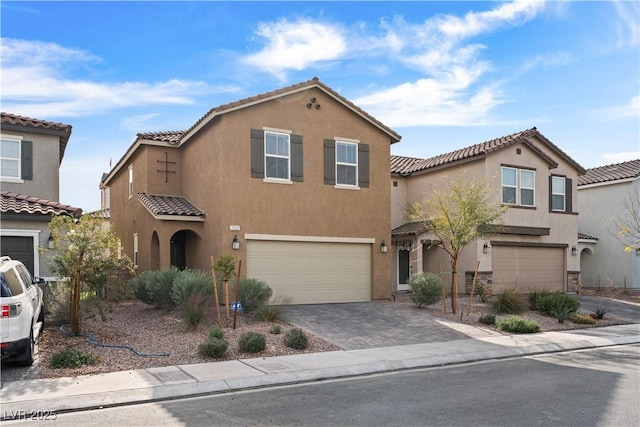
column 353, row 326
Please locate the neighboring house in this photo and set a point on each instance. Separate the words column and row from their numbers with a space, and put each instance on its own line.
column 296, row 179
column 603, row 200
column 537, row 244
column 32, row 151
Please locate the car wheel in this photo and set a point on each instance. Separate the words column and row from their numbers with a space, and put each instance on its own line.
column 29, row 353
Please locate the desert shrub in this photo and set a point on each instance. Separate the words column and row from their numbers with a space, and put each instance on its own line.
column 159, row 284
column 216, row 332
column 534, row 296
column 582, row 319
column 296, row 338
column 189, row 282
column 71, row 357
column 508, row 302
column 276, row 330
column 138, row 285
column 517, row 325
column 558, row 305
column 251, row 342
column 488, row 319
column 214, row 347
column 426, row 288
column 254, row 293
column 269, row 313
column 600, row 311
column 55, row 296
column 483, row 291
column 194, row 310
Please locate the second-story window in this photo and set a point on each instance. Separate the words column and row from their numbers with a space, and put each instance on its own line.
column 558, row 193
column 276, row 155
column 131, row 181
column 346, row 163
column 518, row 186
column 10, row 158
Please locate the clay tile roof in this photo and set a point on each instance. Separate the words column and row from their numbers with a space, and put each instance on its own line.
column 414, row 228
column 172, row 137
column 15, row 122
column 586, row 236
column 100, row 214
column 407, row 165
column 615, row 172
column 169, row 205
column 20, row 203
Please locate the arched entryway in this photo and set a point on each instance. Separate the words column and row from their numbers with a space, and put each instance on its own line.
column 179, row 249
column 155, row 252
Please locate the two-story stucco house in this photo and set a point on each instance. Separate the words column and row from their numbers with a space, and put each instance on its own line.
column 294, row 182
column 32, row 151
column 605, row 195
column 536, row 247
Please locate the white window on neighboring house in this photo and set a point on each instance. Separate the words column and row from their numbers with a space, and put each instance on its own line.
column 10, row 158
column 135, row 250
column 276, row 156
column 346, row 163
column 130, row 181
column 518, row 186
column 558, row 193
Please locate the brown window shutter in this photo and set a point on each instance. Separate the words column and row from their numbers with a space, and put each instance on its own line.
column 550, row 193
column 257, row 153
column 568, row 194
column 363, row 165
column 329, row 162
column 26, row 167
column 296, row 158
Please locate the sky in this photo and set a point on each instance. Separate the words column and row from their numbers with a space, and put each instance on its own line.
column 444, row 75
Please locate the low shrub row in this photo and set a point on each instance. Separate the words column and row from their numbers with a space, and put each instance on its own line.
column 250, row 342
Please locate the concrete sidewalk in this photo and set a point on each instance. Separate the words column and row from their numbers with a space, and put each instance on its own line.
column 144, row 385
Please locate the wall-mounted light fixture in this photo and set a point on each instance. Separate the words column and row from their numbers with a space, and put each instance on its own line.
column 574, row 250
column 383, row 247
column 486, row 248
column 235, row 243
column 50, row 242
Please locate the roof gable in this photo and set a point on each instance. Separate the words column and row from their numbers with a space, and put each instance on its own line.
column 408, row 165
column 28, row 124
column 611, row 173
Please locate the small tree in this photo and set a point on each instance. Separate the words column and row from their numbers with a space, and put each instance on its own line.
column 627, row 224
column 85, row 251
column 457, row 214
column 225, row 265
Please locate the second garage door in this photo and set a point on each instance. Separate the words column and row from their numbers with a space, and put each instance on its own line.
column 312, row 272
column 528, row 268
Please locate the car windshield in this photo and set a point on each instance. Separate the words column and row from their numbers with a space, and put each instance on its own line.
column 4, row 287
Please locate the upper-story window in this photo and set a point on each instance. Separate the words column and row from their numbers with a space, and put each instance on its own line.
column 558, row 193
column 130, row 181
column 10, row 157
column 276, row 156
column 518, row 186
column 346, row 163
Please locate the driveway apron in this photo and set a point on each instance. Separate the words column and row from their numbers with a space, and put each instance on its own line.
column 353, row 326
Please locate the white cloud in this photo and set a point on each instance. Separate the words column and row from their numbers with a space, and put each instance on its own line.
column 36, row 81
column 295, row 45
column 549, row 60
column 628, row 28
column 141, row 121
column 622, row 112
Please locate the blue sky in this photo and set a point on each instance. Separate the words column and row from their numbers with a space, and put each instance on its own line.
column 444, row 75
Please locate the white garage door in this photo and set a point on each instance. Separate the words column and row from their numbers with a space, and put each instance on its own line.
column 312, row 272
column 528, row 268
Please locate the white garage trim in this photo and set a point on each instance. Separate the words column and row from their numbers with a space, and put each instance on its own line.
column 35, row 234
column 319, row 239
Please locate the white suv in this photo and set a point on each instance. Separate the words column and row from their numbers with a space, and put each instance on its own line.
column 22, row 317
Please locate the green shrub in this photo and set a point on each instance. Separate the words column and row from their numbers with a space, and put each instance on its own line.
column 71, row 357
column 488, row 319
column 562, row 310
column 269, row 313
column 600, row 311
column 582, row 319
column 426, row 288
column 252, row 342
column 517, row 325
column 254, row 293
column 189, row 282
column 534, row 296
column 55, row 297
column 216, row 332
column 214, row 347
column 553, row 301
column 296, row 338
column 159, row 285
column 508, row 302
column 276, row 330
column 138, row 285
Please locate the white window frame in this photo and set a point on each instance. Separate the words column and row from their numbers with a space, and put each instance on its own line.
column 18, row 160
column 277, row 156
column 563, row 194
column 135, row 250
column 338, row 163
column 130, row 181
column 518, row 187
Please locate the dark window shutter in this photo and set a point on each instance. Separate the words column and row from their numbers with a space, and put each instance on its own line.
column 568, row 194
column 257, row 153
column 550, row 193
column 329, row 162
column 363, row 165
column 27, row 160
column 296, row 158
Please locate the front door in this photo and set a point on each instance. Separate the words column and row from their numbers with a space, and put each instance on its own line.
column 404, row 269
column 179, row 250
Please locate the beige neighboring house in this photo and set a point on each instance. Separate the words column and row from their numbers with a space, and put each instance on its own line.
column 292, row 182
column 537, row 246
column 32, row 151
column 603, row 195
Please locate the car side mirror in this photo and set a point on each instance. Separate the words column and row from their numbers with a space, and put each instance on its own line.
column 39, row 281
